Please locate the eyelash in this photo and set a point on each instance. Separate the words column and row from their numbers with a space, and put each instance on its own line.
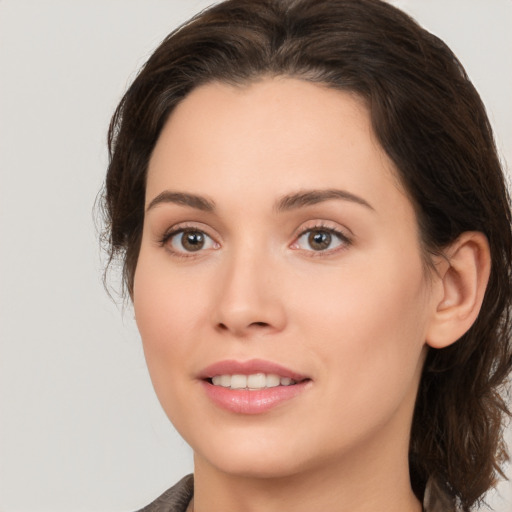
column 182, row 229
column 344, row 240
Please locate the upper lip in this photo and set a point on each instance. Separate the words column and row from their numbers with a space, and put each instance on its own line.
column 232, row 367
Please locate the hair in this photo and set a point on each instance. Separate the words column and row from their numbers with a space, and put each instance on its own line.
column 429, row 119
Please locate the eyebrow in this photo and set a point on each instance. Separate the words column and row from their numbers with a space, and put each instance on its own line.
column 183, row 199
column 285, row 203
column 312, row 197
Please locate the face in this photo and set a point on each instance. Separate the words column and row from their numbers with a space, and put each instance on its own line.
column 280, row 290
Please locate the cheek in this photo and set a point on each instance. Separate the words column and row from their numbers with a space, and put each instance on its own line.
column 387, row 297
column 170, row 311
column 167, row 311
column 370, row 324
column 167, row 304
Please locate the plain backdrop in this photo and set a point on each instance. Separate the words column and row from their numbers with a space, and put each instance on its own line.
column 80, row 428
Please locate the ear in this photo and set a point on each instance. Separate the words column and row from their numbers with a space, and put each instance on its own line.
column 462, row 275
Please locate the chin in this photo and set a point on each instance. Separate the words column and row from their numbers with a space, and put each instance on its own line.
column 256, row 456
column 259, row 467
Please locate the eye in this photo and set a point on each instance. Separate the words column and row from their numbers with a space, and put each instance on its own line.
column 188, row 241
column 320, row 240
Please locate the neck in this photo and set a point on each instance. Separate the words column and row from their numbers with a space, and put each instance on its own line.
column 370, row 479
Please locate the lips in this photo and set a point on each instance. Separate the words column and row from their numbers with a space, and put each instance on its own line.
column 251, row 387
column 249, row 367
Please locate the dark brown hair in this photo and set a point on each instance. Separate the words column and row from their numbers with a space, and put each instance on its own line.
column 430, row 121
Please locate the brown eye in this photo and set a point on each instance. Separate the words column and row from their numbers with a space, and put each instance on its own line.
column 189, row 240
column 192, row 240
column 319, row 240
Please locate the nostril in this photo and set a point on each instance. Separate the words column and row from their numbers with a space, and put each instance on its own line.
column 245, row 328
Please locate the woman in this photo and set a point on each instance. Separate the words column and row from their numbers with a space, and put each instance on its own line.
column 315, row 234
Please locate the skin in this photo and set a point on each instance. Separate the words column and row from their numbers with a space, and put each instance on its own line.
column 354, row 318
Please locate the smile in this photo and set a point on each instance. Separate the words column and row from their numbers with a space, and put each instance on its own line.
column 253, row 382
column 251, row 387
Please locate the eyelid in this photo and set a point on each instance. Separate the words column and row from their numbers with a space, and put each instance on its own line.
column 342, row 233
column 188, row 225
column 182, row 227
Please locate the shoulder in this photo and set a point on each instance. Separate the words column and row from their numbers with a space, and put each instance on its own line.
column 175, row 499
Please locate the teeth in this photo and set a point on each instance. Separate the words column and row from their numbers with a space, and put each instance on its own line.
column 273, row 380
column 238, row 381
column 253, row 381
column 256, row 381
column 225, row 381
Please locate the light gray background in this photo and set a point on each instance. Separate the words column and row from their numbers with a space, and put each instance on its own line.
column 80, row 428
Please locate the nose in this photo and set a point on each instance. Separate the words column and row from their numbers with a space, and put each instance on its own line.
column 249, row 300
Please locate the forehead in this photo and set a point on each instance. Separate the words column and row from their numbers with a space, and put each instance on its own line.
column 271, row 135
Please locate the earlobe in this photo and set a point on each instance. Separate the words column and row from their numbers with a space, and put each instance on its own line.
column 463, row 273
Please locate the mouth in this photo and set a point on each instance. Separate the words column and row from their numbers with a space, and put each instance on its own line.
column 251, row 387
column 252, row 382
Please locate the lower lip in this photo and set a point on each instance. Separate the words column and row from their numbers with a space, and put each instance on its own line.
column 245, row 401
